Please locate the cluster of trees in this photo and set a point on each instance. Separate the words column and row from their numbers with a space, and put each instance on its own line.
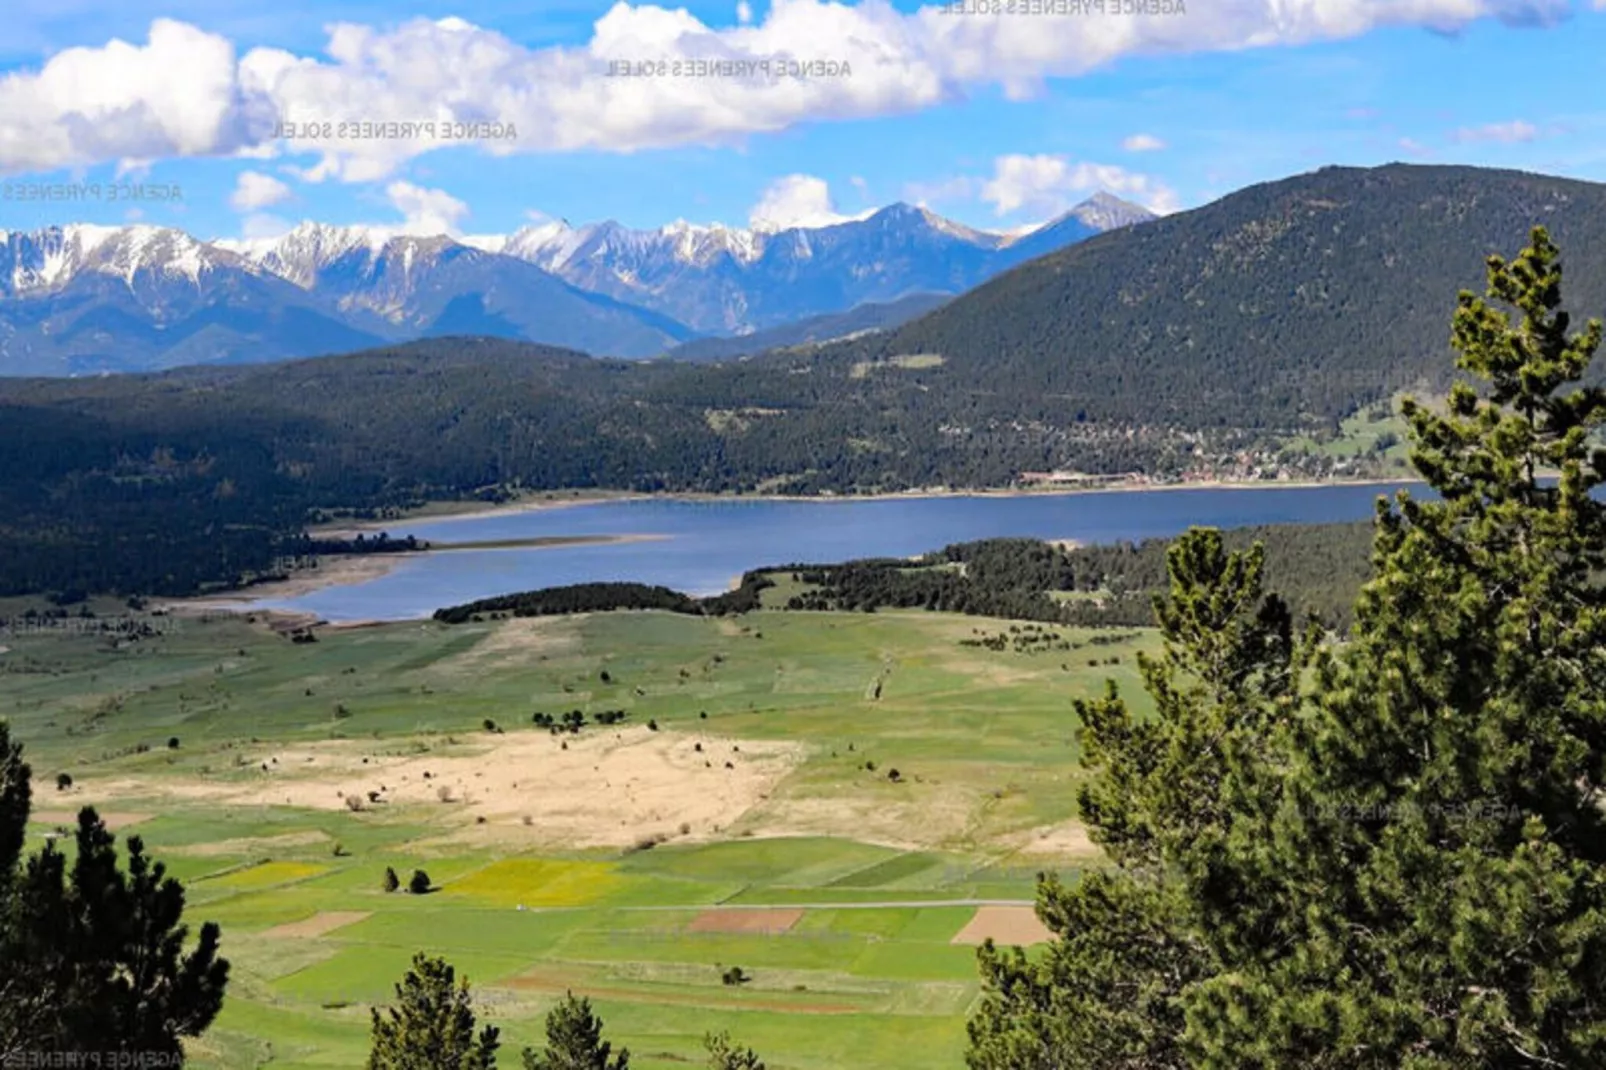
column 575, row 720
column 432, row 1026
column 1385, row 852
column 94, row 961
column 1318, row 567
column 603, row 597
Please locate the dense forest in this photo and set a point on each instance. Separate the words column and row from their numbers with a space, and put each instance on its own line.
column 1319, row 569
column 1198, row 344
column 604, row 597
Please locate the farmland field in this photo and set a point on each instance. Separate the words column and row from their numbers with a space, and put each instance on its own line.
column 744, row 813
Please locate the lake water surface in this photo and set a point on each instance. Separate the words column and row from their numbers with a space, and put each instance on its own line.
column 708, row 544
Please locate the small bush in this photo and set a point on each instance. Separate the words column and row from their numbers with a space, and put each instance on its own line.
column 63, row 781
column 894, row 776
column 172, row 743
column 444, row 793
column 354, row 803
column 420, row 882
column 392, row 882
column 652, row 726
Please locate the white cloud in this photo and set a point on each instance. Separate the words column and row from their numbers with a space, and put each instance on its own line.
column 427, row 212
column 1507, row 133
column 1414, row 147
column 796, row 201
column 184, row 92
column 261, row 226
column 1045, row 186
column 744, row 12
column 254, row 190
column 1143, row 143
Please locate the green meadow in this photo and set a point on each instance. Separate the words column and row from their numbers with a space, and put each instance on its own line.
column 836, row 888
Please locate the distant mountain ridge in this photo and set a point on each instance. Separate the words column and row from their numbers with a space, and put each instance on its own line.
column 727, row 280
column 83, row 299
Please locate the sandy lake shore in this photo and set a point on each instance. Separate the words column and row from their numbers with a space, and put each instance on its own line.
column 341, row 570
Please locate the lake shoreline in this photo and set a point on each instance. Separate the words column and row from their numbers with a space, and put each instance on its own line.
column 444, row 511
column 342, row 570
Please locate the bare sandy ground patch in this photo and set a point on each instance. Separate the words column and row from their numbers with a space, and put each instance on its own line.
column 113, row 819
column 1011, row 926
column 605, row 787
column 1069, row 840
column 931, row 820
column 249, row 845
column 770, row 922
column 317, row 925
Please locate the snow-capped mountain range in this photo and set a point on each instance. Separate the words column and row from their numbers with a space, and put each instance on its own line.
column 81, row 298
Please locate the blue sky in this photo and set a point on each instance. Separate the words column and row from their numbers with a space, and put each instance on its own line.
column 997, row 121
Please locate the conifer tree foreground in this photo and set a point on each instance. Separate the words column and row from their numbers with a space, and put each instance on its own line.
column 431, row 1025
column 1396, row 862
column 574, row 1041
column 92, row 959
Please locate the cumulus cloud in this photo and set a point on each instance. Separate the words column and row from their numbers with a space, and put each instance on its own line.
column 796, row 201
column 426, row 212
column 263, row 226
column 744, row 12
column 1143, row 143
column 1506, row 133
column 184, row 92
column 1046, row 185
column 254, row 190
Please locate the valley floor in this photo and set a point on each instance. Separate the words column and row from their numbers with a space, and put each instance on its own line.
column 743, row 814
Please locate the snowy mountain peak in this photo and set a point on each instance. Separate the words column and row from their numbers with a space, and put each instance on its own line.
column 46, row 259
column 1105, row 211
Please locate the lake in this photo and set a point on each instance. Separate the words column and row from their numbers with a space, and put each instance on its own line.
column 706, row 545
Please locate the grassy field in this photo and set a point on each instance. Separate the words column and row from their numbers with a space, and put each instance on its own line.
column 754, row 824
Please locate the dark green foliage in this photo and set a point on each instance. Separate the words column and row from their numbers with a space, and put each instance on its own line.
column 63, row 781
column 431, row 1025
column 1318, row 567
column 723, row 1054
column 602, row 597
column 94, row 957
column 1378, row 854
column 735, row 976
column 1441, row 886
column 574, row 1041
column 392, row 882
column 419, row 883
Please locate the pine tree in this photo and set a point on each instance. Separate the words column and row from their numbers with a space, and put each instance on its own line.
column 1381, row 853
column 431, row 1026
column 1443, row 891
column 574, row 1041
column 725, row 1055
column 1107, row 994
column 94, row 957
column 392, row 882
